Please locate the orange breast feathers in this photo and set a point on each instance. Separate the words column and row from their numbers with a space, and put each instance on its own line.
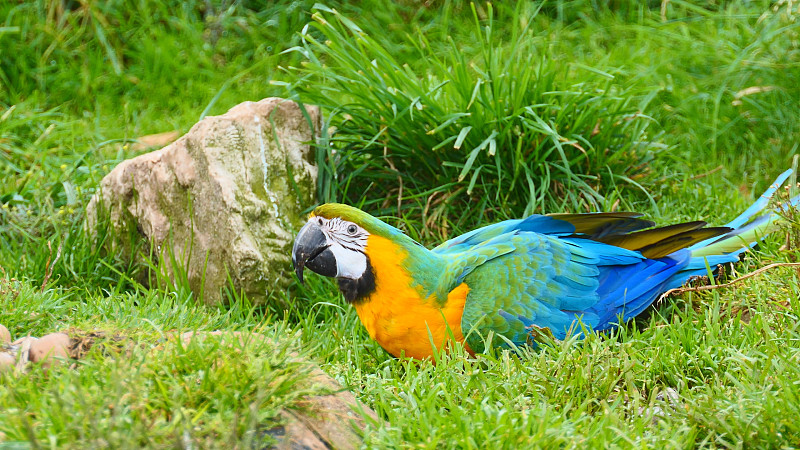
column 397, row 316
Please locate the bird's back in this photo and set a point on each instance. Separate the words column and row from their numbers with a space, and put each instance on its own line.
column 561, row 273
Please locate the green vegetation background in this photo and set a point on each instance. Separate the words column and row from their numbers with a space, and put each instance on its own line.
column 448, row 115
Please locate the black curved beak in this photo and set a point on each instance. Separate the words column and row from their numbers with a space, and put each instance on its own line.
column 311, row 249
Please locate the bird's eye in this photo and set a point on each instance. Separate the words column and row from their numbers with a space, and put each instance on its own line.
column 352, row 229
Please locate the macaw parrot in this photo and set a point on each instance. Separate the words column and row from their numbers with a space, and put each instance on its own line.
column 554, row 274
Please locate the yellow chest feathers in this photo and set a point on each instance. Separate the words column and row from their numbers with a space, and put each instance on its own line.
column 397, row 316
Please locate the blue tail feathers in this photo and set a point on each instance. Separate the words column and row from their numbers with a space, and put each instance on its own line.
column 629, row 290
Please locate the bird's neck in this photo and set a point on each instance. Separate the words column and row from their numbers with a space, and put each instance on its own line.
column 396, row 261
column 360, row 289
column 410, row 307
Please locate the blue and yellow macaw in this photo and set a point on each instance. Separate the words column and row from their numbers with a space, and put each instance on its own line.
column 545, row 274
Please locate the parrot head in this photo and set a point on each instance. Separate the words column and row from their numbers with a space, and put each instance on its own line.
column 333, row 243
column 399, row 289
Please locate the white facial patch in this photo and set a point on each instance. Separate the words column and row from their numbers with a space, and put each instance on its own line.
column 349, row 263
column 347, row 243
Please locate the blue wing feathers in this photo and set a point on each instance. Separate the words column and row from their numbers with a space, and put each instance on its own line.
column 533, row 224
column 538, row 273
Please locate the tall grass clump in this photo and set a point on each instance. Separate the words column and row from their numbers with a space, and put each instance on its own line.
column 493, row 123
column 176, row 54
column 740, row 79
column 723, row 75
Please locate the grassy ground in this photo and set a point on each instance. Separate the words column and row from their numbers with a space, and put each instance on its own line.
column 682, row 110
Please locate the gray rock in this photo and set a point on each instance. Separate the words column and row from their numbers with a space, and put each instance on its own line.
column 5, row 336
column 7, row 361
column 223, row 200
column 666, row 402
column 50, row 349
column 333, row 418
column 21, row 349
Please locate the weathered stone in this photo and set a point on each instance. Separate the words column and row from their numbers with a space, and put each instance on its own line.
column 5, row 336
column 296, row 435
column 666, row 402
column 222, row 201
column 331, row 419
column 7, row 362
column 50, row 349
column 155, row 140
column 22, row 348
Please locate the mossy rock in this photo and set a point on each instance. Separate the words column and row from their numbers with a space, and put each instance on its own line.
column 217, row 208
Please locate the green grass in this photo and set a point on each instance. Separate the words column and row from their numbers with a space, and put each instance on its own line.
column 705, row 93
column 495, row 123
